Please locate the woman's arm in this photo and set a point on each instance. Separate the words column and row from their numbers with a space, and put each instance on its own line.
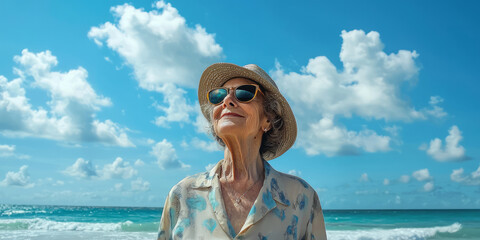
column 169, row 216
column 316, row 224
column 164, row 231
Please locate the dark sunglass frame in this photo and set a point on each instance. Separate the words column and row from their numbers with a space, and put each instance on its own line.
column 234, row 89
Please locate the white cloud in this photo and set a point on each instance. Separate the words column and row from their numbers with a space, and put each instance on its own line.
column 428, row 187
column 423, row 147
column 393, row 130
column 201, row 123
column 118, row 187
column 177, row 109
column 210, row 166
column 59, row 183
column 70, row 115
column 386, row 181
column 211, row 146
column 184, row 144
column 295, row 172
column 118, row 169
column 63, row 87
column 164, row 52
column 434, row 100
column 472, row 179
column 404, row 179
column 7, row 150
column 82, row 169
column 421, row 175
column 140, row 185
column 139, row 163
column 452, row 151
column 364, row 177
column 110, row 132
column 20, row 178
column 369, row 86
column 325, row 137
column 166, row 155
column 435, row 110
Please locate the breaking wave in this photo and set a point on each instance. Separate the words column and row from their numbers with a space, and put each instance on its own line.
column 393, row 234
column 43, row 224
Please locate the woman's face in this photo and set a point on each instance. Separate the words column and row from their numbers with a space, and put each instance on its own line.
column 233, row 118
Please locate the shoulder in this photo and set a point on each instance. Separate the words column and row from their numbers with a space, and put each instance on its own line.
column 290, row 188
column 286, row 180
column 189, row 183
column 297, row 192
column 294, row 183
column 292, row 180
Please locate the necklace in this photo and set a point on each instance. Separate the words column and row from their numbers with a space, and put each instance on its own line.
column 239, row 199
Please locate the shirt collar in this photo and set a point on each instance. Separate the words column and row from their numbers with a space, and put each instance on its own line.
column 270, row 194
column 272, row 183
column 204, row 180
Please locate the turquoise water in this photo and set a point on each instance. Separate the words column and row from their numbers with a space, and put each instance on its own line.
column 68, row 222
column 403, row 224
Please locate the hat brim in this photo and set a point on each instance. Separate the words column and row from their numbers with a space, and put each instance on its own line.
column 217, row 74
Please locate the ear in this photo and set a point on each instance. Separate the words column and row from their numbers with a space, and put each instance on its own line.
column 266, row 125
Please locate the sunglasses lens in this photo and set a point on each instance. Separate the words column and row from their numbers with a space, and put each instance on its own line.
column 245, row 93
column 216, row 96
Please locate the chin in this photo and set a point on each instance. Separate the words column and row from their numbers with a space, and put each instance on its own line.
column 229, row 128
column 231, row 122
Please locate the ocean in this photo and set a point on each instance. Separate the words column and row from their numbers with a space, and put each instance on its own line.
column 82, row 222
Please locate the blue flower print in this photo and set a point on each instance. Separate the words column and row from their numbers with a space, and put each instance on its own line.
column 305, row 184
column 178, row 231
column 301, row 201
column 267, row 168
column 212, row 199
column 231, row 230
column 196, row 202
column 292, row 228
column 261, row 237
column 268, row 200
column 210, row 224
column 283, row 198
column 172, row 217
column 252, row 211
column 280, row 213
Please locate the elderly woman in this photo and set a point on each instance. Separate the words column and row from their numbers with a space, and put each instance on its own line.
column 243, row 197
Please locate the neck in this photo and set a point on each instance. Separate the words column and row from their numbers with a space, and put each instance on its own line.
column 242, row 163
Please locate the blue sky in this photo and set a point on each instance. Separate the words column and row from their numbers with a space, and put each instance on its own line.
column 98, row 100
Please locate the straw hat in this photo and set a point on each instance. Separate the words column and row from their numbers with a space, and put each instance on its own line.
column 217, row 74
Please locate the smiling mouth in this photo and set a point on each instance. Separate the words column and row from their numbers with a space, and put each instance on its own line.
column 231, row 115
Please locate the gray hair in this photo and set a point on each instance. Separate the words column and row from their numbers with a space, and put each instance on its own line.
column 270, row 139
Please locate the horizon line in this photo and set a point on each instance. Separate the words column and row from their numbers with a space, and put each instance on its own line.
column 338, row 209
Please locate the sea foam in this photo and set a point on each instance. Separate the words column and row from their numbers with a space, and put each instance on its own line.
column 43, row 224
column 128, row 226
column 392, row 234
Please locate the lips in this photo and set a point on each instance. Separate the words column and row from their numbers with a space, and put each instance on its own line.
column 231, row 114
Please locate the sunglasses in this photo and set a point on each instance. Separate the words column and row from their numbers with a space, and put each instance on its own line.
column 243, row 93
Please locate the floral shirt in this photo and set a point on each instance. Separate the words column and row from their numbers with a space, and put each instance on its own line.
column 286, row 208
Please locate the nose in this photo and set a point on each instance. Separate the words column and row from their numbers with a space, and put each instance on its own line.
column 229, row 100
